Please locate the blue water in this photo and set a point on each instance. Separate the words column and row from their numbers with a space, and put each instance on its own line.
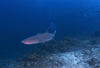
column 20, row 19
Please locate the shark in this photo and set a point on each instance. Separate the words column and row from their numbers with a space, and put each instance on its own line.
column 39, row 38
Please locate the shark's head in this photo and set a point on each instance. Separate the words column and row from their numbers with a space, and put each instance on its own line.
column 30, row 41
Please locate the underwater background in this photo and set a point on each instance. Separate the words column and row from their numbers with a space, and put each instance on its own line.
column 20, row 19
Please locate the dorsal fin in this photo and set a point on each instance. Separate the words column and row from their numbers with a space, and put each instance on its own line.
column 47, row 30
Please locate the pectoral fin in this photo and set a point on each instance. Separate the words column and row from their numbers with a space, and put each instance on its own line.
column 45, row 43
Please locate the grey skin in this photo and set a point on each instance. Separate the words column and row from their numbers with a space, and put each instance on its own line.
column 40, row 38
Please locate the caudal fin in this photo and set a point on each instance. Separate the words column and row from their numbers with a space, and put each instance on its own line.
column 55, row 32
column 51, row 27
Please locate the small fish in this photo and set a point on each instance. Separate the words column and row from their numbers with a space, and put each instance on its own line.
column 39, row 38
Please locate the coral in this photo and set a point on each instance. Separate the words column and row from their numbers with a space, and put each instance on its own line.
column 33, row 57
column 92, row 61
column 96, row 34
column 72, row 53
column 68, row 38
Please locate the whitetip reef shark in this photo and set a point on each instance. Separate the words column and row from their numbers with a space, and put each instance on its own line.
column 39, row 38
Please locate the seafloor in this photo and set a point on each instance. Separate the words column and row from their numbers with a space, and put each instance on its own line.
column 68, row 53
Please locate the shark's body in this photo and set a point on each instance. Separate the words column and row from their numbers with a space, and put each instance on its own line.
column 40, row 38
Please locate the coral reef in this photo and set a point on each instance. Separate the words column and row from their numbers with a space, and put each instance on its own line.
column 69, row 53
column 33, row 57
column 96, row 34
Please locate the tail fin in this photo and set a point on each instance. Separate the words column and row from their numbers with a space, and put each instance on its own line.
column 52, row 27
column 55, row 32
